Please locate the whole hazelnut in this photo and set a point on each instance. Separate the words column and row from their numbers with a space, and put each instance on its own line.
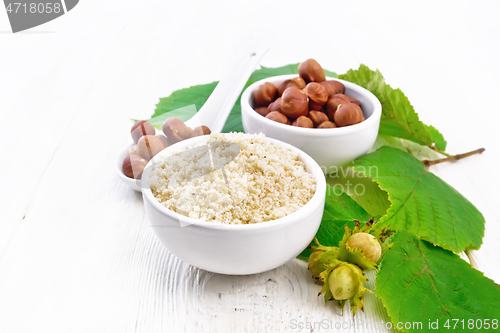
column 163, row 140
column 317, row 95
column 311, row 71
column 176, row 130
column 348, row 114
column 141, row 128
column 317, row 117
column 133, row 150
column 262, row 110
column 333, row 87
column 333, row 103
column 294, row 103
column 278, row 117
column 353, row 100
column 133, row 166
column 265, row 94
column 303, row 121
column 327, row 124
column 149, row 145
column 275, row 106
column 296, row 81
column 200, row 130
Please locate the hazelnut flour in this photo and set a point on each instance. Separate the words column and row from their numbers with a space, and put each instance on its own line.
column 264, row 182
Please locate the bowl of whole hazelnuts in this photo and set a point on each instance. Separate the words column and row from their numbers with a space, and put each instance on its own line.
column 332, row 120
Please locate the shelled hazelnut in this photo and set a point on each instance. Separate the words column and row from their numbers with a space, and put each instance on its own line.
column 333, row 87
column 274, row 106
column 133, row 166
column 278, row 117
column 317, row 117
column 353, row 100
column 176, row 130
column 200, row 130
column 327, row 124
column 311, row 71
column 141, row 128
column 334, row 102
column 265, row 94
column 133, row 150
column 303, row 121
column 317, row 95
column 348, row 114
column 294, row 103
column 164, row 140
column 295, row 82
column 263, row 110
column 149, row 145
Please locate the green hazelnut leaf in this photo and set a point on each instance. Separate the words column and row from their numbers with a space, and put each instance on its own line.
column 180, row 99
column 422, row 203
column 197, row 95
column 399, row 118
column 362, row 190
column 420, row 282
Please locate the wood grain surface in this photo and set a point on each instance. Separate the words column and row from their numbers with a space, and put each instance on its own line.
column 76, row 251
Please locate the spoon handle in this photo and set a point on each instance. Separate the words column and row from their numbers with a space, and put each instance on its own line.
column 216, row 109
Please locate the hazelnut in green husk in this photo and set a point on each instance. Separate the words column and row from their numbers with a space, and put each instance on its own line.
column 344, row 281
column 367, row 244
column 321, row 258
column 360, row 247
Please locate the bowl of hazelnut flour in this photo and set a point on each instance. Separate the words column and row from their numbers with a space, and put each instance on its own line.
column 234, row 203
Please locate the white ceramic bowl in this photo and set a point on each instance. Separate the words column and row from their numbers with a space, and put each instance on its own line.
column 329, row 147
column 236, row 249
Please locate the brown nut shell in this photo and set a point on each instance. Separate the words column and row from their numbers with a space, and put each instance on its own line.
column 348, row 114
column 311, row 71
column 333, row 87
column 317, row 117
column 262, row 110
column 317, row 95
column 200, row 130
column 294, row 103
column 264, row 94
column 296, row 81
column 133, row 166
column 303, row 121
column 278, row 117
column 149, row 145
column 327, row 124
column 176, row 130
column 275, row 106
column 333, row 103
column 141, row 128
